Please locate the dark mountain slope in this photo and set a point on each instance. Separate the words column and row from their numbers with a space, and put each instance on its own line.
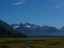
column 6, row 31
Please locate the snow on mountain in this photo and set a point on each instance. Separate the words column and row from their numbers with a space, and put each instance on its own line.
column 27, row 26
column 15, row 27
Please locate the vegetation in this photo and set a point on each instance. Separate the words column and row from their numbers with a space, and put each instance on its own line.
column 32, row 42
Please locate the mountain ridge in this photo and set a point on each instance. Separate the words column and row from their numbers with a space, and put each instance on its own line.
column 36, row 30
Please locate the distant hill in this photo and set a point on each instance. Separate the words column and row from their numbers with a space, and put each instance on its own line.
column 6, row 31
column 35, row 30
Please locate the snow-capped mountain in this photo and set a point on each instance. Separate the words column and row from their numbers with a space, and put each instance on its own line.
column 35, row 30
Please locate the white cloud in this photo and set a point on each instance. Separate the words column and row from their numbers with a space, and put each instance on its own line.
column 58, row 6
column 19, row 2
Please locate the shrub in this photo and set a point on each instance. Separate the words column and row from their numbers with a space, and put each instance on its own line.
column 4, row 46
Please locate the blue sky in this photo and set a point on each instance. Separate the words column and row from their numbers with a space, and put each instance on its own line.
column 39, row 12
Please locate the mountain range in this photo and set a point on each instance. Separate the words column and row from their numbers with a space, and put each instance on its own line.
column 27, row 29
column 36, row 30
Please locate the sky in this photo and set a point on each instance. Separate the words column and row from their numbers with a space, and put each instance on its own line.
column 39, row 12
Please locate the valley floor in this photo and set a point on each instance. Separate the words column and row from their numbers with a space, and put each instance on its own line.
column 32, row 42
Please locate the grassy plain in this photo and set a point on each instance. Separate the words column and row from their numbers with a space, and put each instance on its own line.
column 32, row 42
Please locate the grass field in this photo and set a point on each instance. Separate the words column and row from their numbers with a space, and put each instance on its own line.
column 32, row 42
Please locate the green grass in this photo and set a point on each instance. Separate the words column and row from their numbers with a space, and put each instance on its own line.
column 33, row 42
